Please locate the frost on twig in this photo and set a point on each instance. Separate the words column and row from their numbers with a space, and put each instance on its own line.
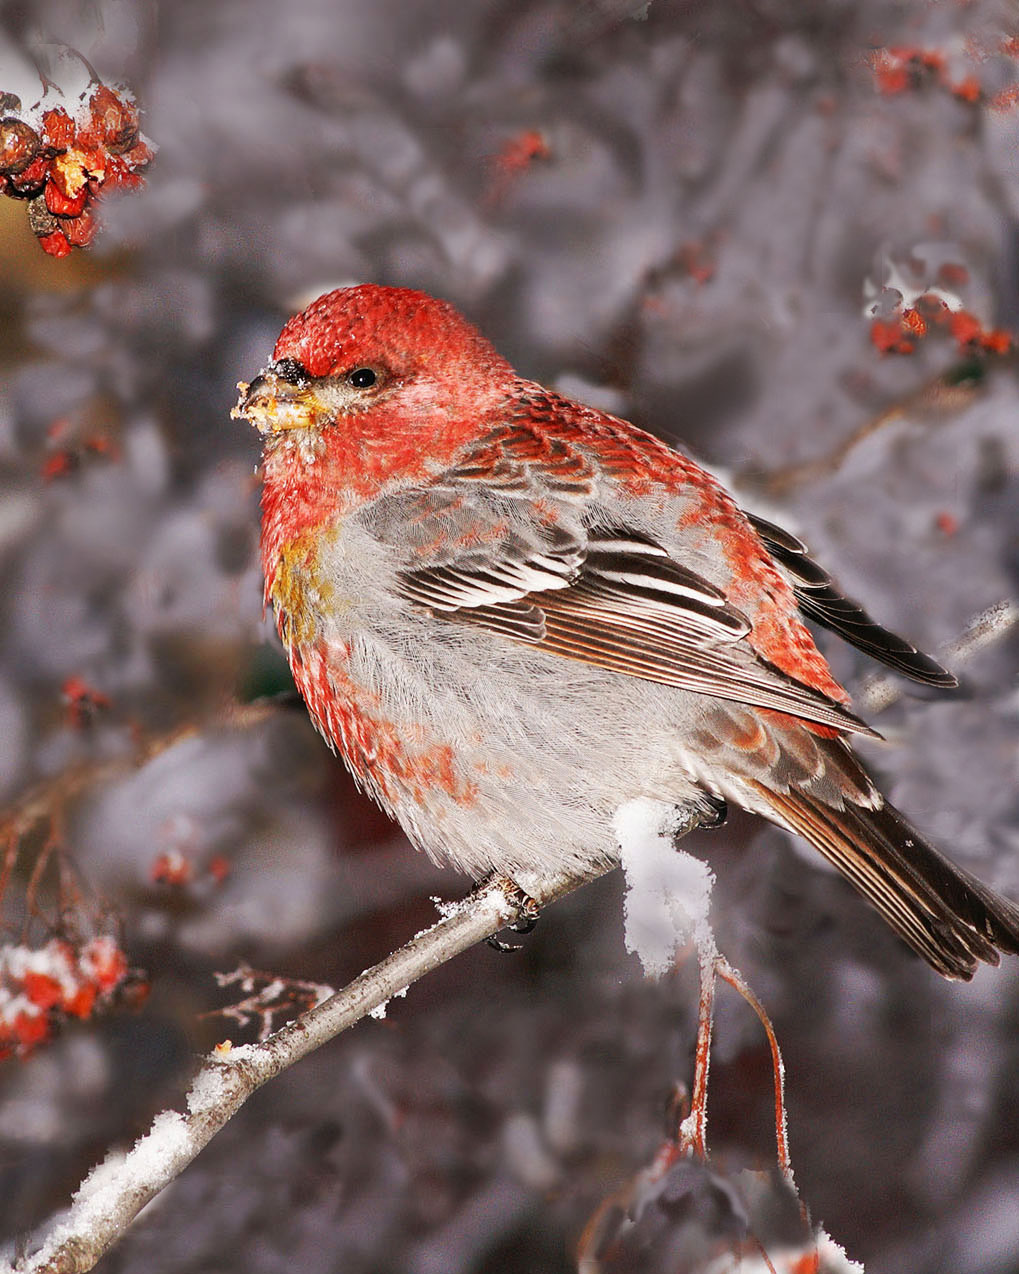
column 268, row 997
column 116, row 1191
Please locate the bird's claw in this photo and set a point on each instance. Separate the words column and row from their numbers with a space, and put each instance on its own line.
column 526, row 908
column 719, row 813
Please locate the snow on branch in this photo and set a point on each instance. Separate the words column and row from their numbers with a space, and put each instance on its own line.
column 117, row 1189
column 668, row 894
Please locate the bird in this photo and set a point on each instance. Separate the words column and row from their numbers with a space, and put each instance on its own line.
column 511, row 613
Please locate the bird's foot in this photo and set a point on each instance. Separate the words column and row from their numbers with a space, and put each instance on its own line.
column 527, row 910
column 718, row 815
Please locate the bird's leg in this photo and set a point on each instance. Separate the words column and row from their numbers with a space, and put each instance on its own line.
column 526, row 908
column 719, row 813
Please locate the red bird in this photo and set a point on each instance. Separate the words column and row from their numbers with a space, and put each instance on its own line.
column 512, row 613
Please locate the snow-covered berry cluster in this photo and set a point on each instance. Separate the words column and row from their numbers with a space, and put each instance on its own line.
column 59, row 152
column 41, row 985
column 917, row 297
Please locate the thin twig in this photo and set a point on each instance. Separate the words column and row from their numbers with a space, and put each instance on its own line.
column 693, row 1130
column 41, row 809
column 738, row 982
column 937, row 397
column 881, row 690
column 37, row 804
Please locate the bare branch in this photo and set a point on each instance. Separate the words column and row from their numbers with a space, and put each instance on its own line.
column 934, row 400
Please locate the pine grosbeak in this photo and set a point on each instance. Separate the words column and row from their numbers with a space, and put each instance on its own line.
column 511, row 613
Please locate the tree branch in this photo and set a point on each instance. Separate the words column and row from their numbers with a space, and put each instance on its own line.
column 117, row 1189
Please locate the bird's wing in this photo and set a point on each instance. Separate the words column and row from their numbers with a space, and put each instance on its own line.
column 821, row 602
column 611, row 597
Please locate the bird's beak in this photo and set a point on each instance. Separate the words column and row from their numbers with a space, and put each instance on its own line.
column 272, row 404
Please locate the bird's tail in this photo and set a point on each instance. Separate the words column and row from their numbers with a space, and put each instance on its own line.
column 945, row 914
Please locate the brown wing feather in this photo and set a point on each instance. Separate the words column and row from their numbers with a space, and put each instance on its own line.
column 607, row 595
column 946, row 916
column 598, row 626
column 616, row 599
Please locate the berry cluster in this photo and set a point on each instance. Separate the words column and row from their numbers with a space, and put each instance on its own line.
column 922, row 294
column 62, row 163
column 899, row 333
column 40, row 986
column 84, row 703
column 909, row 67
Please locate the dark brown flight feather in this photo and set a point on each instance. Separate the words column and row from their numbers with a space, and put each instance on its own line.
column 945, row 914
column 819, row 600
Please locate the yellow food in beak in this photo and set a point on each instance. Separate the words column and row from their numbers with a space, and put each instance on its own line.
column 272, row 404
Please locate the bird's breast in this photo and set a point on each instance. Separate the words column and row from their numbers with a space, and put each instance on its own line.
column 297, row 587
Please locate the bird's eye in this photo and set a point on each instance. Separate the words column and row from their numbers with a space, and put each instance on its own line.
column 362, row 378
column 290, row 370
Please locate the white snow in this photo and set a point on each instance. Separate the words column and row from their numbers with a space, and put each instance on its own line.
column 831, row 1259
column 107, row 1186
column 70, row 83
column 51, row 961
column 668, row 892
column 910, row 290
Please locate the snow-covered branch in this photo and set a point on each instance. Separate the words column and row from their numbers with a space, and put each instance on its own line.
column 115, row 1192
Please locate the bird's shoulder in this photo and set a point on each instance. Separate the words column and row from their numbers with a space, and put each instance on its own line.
column 542, row 435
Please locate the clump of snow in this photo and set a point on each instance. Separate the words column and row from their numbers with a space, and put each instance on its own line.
column 904, row 284
column 668, row 892
column 104, row 1190
column 209, row 1087
column 104, row 1186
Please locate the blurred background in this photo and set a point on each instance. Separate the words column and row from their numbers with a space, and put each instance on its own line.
column 750, row 227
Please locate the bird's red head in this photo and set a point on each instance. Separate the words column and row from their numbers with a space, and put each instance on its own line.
column 404, row 330
column 380, row 364
column 369, row 388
